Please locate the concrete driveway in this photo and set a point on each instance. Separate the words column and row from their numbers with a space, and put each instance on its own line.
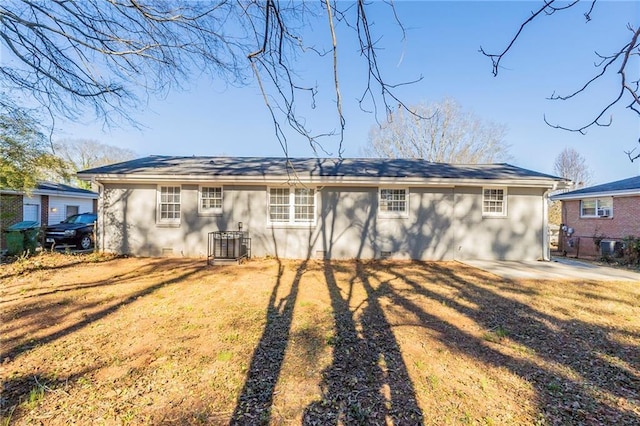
column 558, row 268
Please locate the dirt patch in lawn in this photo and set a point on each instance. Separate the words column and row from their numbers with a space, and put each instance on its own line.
column 92, row 339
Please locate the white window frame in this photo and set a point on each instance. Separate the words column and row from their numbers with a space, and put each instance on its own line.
column 209, row 211
column 504, row 201
column 600, row 211
column 291, row 220
column 168, row 221
column 382, row 212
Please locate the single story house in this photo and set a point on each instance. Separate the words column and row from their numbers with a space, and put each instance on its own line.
column 47, row 204
column 609, row 211
column 324, row 207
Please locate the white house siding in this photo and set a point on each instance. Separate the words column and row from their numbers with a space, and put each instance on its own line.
column 517, row 236
column 443, row 224
column 58, row 206
column 426, row 233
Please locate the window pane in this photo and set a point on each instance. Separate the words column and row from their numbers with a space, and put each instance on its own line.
column 279, row 196
column 304, row 213
column 279, row 213
column 588, row 207
column 605, row 203
column 169, row 203
column 211, row 198
column 279, row 204
column 493, row 201
column 304, row 205
column 393, row 200
column 72, row 210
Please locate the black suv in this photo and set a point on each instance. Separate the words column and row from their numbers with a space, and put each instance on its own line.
column 76, row 230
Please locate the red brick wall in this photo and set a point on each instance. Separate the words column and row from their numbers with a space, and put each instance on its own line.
column 10, row 213
column 625, row 221
column 44, row 210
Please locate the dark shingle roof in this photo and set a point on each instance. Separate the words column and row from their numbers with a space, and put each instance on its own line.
column 313, row 167
column 624, row 185
column 52, row 186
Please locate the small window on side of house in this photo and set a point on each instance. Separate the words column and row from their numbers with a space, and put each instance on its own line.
column 210, row 202
column 596, row 207
column 169, row 205
column 71, row 210
column 393, row 202
column 494, row 202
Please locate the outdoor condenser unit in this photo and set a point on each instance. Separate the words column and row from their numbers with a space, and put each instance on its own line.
column 611, row 248
column 228, row 246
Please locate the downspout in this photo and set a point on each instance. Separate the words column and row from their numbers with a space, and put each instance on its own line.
column 100, row 214
column 546, row 246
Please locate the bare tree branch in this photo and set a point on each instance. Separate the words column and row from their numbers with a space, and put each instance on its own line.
column 547, row 8
column 631, row 155
column 368, row 50
column 109, row 56
column 618, row 62
column 334, row 43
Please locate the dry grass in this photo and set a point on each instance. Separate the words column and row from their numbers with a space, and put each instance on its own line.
column 93, row 340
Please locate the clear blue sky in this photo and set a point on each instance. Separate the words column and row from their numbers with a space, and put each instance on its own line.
column 555, row 54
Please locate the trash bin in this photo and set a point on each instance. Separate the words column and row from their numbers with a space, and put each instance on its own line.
column 21, row 237
column 15, row 243
column 31, row 239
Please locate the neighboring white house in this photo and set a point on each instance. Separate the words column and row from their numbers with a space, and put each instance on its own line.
column 48, row 203
column 324, row 208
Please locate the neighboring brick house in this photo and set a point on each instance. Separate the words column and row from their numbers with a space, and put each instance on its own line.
column 610, row 211
column 47, row 204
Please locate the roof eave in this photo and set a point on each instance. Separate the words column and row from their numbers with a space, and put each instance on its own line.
column 621, row 193
column 71, row 194
column 325, row 180
column 65, row 193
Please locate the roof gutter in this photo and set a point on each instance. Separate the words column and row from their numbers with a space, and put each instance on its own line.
column 51, row 192
column 351, row 180
column 583, row 195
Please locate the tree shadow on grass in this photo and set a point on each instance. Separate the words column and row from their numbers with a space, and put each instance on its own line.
column 11, row 350
column 254, row 403
column 24, row 392
column 579, row 384
column 367, row 382
column 153, row 266
column 33, row 266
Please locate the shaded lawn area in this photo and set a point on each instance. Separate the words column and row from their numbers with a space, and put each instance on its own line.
column 88, row 340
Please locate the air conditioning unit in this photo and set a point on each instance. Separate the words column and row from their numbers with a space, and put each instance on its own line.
column 604, row 212
column 611, row 248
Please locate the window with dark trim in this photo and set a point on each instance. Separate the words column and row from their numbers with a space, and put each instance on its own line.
column 71, row 210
